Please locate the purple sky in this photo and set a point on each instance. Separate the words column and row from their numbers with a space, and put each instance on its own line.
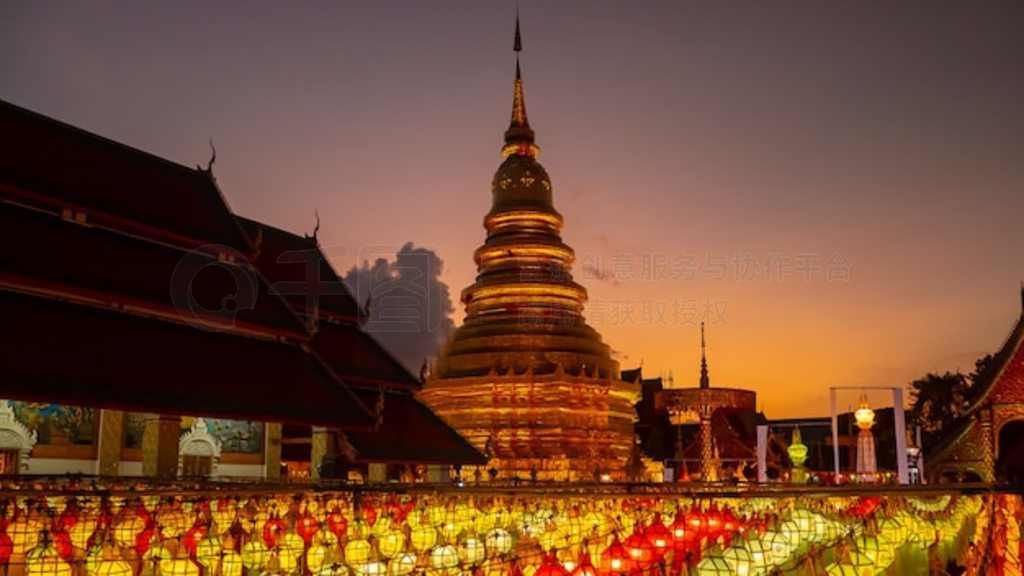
column 877, row 142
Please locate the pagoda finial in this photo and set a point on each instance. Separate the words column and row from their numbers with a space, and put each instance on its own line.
column 519, row 136
column 705, row 382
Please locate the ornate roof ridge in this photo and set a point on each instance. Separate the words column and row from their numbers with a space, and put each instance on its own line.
column 1000, row 361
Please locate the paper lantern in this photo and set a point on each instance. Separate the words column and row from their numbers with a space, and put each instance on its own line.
column 318, row 555
column 255, row 555
column 357, row 553
column 639, row 547
column 372, row 569
column 585, row 567
column 82, row 531
column 714, row 564
column 444, row 557
column 615, row 559
column 273, row 529
column 43, row 560
column 231, row 563
column 6, row 547
column 24, row 534
column 423, row 538
column 179, row 567
column 208, row 554
column 391, row 544
column 739, row 559
column 472, row 551
column 659, row 536
column 779, row 544
column 402, row 564
column 550, row 567
column 306, row 527
column 337, row 523
column 333, row 570
column 498, row 541
column 172, row 523
column 125, row 532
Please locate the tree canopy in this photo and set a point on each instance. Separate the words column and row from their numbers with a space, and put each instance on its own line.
column 938, row 400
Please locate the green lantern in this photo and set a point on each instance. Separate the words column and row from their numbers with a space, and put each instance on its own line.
column 739, row 560
column 714, row 564
column 760, row 553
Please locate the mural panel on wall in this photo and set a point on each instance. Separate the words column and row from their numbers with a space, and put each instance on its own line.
column 235, row 436
column 58, row 424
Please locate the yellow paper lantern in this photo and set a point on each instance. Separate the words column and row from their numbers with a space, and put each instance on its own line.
column 24, row 535
column 499, row 541
column 231, row 563
column 391, row 543
column 402, row 565
column 423, row 538
column 81, row 532
column 372, row 569
column 318, row 555
column 125, row 532
column 113, row 567
column 444, row 557
column 472, row 551
column 208, row 554
column 255, row 555
column 357, row 553
column 172, row 524
column 179, row 567
column 43, row 560
column 334, row 569
column 286, row 560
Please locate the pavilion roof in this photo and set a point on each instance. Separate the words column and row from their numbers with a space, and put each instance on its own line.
column 288, row 261
column 96, row 355
column 125, row 260
column 409, row 432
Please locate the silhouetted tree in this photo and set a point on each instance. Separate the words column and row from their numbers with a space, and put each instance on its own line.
column 938, row 400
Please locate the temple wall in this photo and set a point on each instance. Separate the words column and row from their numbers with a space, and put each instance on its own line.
column 61, row 466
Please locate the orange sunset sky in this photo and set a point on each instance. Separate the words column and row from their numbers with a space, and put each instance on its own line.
column 835, row 187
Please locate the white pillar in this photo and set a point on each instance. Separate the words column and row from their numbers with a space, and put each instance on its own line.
column 762, row 454
column 835, row 432
column 900, row 423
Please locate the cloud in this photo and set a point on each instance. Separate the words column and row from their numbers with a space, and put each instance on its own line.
column 410, row 308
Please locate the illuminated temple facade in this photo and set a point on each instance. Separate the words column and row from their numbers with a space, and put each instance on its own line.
column 525, row 378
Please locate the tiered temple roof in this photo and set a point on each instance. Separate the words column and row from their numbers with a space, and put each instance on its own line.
column 128, row 283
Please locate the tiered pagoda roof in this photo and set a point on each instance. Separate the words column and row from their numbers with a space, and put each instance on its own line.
column 128, row 283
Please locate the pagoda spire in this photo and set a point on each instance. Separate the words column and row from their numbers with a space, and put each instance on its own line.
column 519, row 136
column 705, row 382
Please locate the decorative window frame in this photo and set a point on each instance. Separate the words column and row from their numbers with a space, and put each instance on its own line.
column 197, row 441
column 15, row 436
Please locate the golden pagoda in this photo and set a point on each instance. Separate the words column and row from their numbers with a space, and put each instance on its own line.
column 524, row 378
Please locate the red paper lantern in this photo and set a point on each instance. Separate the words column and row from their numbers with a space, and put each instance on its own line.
column 6, row 547
column 62, row 543
column 660, row 537
column 682, row 534
column 551, row 567
column 713, row 522
column 337, row 523
column 192, row 538
column 585, row 567
column 616, row 559
column 639, row 547
column 273, row 529
column 142, row 540
column 306, row 527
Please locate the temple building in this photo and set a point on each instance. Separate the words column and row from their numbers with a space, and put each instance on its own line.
column 149, row 331
column 525, row 378
column 703, row 432
column 986, row 442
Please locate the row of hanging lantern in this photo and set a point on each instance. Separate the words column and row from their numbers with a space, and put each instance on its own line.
column 334, row 534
